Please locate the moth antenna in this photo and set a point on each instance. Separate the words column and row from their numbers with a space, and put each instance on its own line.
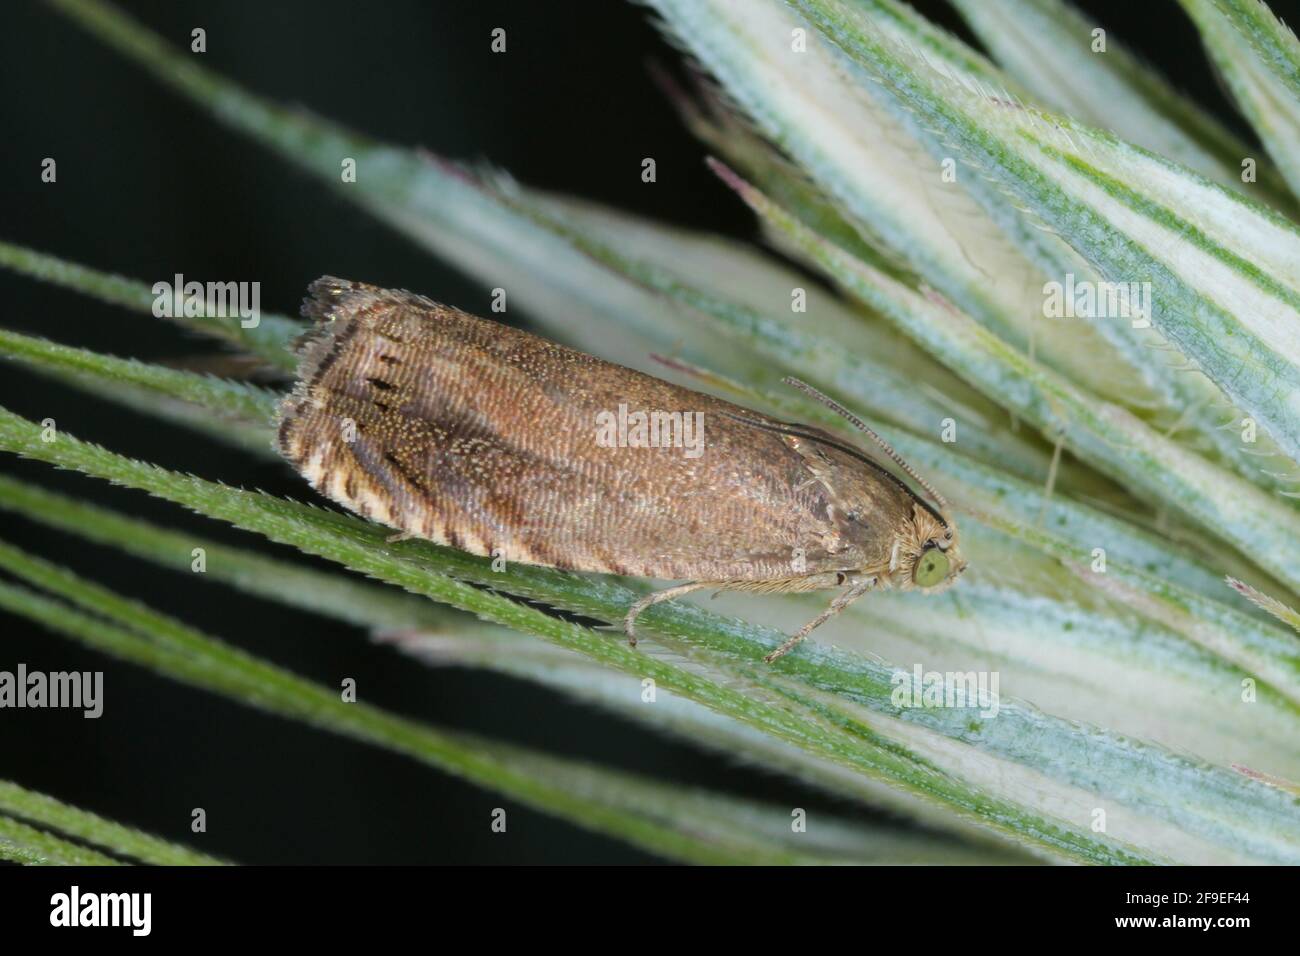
column 862, row 426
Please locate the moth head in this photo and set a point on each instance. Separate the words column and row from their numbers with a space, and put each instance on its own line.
column 924, row 553
column 932, row 559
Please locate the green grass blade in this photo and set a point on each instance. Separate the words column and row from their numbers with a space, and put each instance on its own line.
column 1222, row 290
column 621, row 805
column 439, row 205
column 238, row 401
column 1071, row 639
column 362, row 548
column 402, row 618
column 357, row 602
column 1047, row 45
column 20, row 843
column 676, row 716
column 1259, row 59
column 45, row 811
column 367, row 605
column 848, row 740
column 732, row 828
column 268, row 340
column 997, row 261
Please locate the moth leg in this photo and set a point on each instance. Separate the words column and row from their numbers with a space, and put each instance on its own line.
column 837, row 605
column 667, row 594
column 399, row 536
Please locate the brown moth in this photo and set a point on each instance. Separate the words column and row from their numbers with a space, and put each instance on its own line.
column 485, row 438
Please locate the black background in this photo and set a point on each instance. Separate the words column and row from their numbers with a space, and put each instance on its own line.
column 148, row 185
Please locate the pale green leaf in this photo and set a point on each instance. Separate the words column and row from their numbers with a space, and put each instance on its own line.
column 1259, row 58
column 1218, row 266
column 1048, row 46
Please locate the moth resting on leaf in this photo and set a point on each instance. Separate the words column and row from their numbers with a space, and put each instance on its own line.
column 485, row 438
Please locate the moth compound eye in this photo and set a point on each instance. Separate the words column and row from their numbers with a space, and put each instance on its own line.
column 931, row 568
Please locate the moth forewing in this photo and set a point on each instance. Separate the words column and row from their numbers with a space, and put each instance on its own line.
column 475, row 435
